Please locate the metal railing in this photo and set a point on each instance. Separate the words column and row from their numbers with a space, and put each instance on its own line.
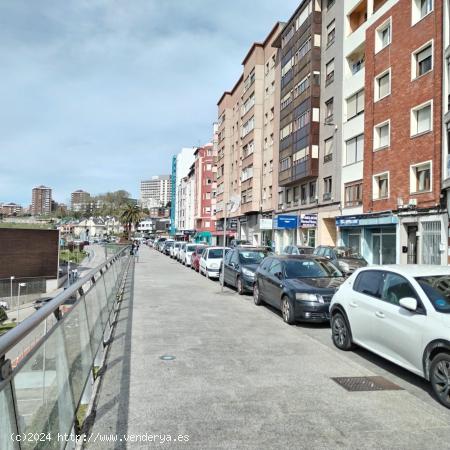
column 49, row 361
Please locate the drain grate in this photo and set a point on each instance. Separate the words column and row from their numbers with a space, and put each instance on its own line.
column 355, row 384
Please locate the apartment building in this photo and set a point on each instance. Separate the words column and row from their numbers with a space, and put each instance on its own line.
column 247, row 145
column 156, row 192
column 41, row 200
column 79, row 200
column 10, row 209
column 299, row 63
column 205, row 192
column 394, row 125
column 186, row 204
column 446, row 107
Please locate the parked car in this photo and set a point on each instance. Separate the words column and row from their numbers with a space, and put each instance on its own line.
column 195, row 264
column 238, row 242
column 168, row 244
column 181, row 251
column 401, row 313
column 239, row 267
column 211, row 260
column 188, row 252
column 298, row 250
column 300, row 286
column 343, row 257
column 40, row 302
column 174, row 249
column 161, row 243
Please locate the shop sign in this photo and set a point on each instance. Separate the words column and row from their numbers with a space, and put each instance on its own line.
column 287, row 222
column 347, row 222
column 265, row 224
column 308, row 221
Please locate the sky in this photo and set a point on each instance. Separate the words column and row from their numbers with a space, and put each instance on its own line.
column 99, row 94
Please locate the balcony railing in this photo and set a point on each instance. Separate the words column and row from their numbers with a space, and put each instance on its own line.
column 49, row 361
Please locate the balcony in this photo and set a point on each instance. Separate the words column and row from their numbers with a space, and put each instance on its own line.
column 303, row 170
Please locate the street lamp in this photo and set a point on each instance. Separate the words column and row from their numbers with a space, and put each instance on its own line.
column 18, row 299
column 68, row 272
column 11, row 292
column 227, row 204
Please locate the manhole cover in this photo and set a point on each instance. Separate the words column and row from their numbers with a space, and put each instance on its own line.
column 377, row 383
column 167, row 357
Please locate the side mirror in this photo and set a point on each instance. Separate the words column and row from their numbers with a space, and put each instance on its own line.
column 409, row 303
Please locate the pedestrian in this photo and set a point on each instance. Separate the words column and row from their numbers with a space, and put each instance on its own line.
column 136, row 252
column 132, row 249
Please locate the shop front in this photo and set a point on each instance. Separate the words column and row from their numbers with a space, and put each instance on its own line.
column 217, row 237
column 372, row 236
column 308, row 230
column 285, row 231
column 267, row 233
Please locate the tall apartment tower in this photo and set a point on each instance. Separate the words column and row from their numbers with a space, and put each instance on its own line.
column 156, row 192
column 299, row 115
column 79, row 200
column 247, row 146
column 393, row 102
column 41, row 200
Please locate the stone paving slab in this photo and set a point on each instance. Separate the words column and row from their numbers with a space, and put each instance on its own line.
column 242, row 379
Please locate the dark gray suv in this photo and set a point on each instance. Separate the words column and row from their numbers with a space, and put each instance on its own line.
column 345, row 258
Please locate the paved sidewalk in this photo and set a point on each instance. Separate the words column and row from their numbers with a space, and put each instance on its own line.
column 242, row 379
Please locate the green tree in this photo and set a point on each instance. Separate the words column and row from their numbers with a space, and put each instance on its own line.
column 130, row 216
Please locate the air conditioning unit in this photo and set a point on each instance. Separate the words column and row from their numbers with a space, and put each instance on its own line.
column 412, row 202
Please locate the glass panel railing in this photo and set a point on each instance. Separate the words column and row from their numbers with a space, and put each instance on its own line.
column 94, row 320
column 7, row 420
column 43, row 393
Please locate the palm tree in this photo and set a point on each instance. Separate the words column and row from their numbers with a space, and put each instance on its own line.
column 130, row 216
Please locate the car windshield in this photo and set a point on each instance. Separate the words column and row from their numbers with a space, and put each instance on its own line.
column 190, row 248
column 310, row 268
column 345, row 252
column 199, row 250
column 177, row 245
column 252, row 256
column 216, row 253
column 306, row 250
column 437, row 289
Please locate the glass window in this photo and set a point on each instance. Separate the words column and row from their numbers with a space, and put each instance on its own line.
column 251, row 257
column 216, row 253
column 424, row 60
column 426, row 6
column 369, row 282
column 355, row 104
column 395, row 288
column 354, row 149
column 382, row 136
column 437, row 289
column 383, row 85
column 266, row 263
column 310, row 268
column 422, row 120
column 276, row 267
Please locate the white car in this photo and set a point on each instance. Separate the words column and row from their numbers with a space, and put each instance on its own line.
column 174, row 249
column 188, row 252
column 401, row 313
column 211, row 260
column 181, row 250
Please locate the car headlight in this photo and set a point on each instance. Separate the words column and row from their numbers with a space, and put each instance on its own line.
column 344, row 266
column 248, row 273
column 309, row 297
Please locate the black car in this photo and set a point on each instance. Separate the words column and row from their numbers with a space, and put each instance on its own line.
column 239, row 266
column 166, row 247
column 300, row 286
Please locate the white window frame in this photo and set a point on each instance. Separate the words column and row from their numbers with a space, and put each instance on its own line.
column 376, row 138
column 375, row 187
column 415, row 12
column 378, row 39
column 414, row 74
column 413, row 178
column 413, row 118
column 377, row 86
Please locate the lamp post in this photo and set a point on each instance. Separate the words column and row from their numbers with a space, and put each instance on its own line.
column 68, row 273
column 18, row 299
column 11, row 292
column 224, row 243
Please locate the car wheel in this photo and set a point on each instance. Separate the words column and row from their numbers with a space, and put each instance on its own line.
column 340, row 332
column 440, row 378
column 240, row 286
column 287, row 310
column 256, row 295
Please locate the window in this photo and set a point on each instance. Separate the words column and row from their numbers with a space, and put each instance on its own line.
column 354, row 149
column 381, row 186
column 330, row 3
column 285, row 131
column 396, row 287
column 327, row 187
column 301, row 19
column 296, row 193
column 286, row 100
column 421, row 119
column 331, row 33
column 285, row 163
column 420, row 178
column 383, row 36
column 355, row 104
column 303, row 194
column 302, row 51
column 420, row 9
column 300, row 155
column 312, row 191
column 369, row 282
column 247, row 127
column 301, row 121
column 329, row 72
column 422, row 61
column 353, row 194
column 329, row 106
column 328, row 150
column 301, row 86
column 383, row 85
column 381, row 135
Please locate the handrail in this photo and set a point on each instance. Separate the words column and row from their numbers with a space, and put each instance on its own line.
column 14, row 336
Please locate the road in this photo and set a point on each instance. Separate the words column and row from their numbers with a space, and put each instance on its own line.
column 243, row 379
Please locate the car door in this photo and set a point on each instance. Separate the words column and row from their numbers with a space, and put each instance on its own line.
column 399, row 334
column 226, row 266
column 362, row 304
column 274, row 285
column 234, row 268
column 262, row 275
column 203, row 261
